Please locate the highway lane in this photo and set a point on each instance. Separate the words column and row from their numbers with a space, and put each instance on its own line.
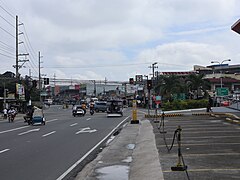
column 46, row 152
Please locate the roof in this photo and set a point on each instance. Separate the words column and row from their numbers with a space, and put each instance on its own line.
column 179, row 73
column 236, row 27
column 226, row 80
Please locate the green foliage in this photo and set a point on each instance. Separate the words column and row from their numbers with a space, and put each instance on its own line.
column 184, row 104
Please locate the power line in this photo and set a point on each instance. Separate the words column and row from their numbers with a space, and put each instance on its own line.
column 29, row 48
column 7, row 32
column 113, row 65
column 7, row 56
column 7, row 12
column 7, row 21
column 28, row 40
column 10, row 47
column 7, row 51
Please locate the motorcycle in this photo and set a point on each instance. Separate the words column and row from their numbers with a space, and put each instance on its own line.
column 78, row 111
column 91, row 111
column 11, row 117
column 28, row 119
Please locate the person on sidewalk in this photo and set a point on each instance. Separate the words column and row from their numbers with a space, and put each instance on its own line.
column 5, row 111
column 209, row 105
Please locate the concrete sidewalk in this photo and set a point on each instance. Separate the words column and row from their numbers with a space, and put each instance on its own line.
column 132, row 155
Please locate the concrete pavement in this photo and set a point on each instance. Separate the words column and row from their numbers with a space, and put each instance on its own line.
column 132, row 154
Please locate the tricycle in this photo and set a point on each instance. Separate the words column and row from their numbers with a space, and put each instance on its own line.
column 38, row 117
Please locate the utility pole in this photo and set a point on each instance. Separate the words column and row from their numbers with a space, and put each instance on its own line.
column 153, row 68
column 17, row 55
column 4, row 94
column 17, row 47
column 94, row 91
column 105, row 83
column 39, row 75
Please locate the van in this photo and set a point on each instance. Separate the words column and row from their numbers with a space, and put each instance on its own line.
column 100, row 106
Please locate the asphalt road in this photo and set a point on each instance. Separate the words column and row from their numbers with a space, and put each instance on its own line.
column 47, row 152
column 210, row 148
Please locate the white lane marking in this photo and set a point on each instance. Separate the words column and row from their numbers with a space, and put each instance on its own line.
column 23, row 127
column 26, row 132
column 10, row 130
column 74, row 124
column 88, row 119
column 141, row 111
column 52, row 120
column 86, row 130
column 89, row 152
column 5, row 150
column 48, row 134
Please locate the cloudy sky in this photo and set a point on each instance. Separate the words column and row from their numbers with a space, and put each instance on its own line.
column 117, row 39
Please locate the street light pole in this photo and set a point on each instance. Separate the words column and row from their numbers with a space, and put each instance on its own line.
column 221, row 68
column 148, row 94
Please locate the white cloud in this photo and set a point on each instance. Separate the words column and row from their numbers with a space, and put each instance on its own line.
column 183, row 55
column 91, row 33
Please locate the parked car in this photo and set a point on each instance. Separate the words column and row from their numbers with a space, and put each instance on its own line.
column 225, row 103
column 100, row 106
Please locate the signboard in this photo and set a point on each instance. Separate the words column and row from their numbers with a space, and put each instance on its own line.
column 180, row 96
column 222, row 91
column 20, row 91
column 139, row 78
column 157, row 99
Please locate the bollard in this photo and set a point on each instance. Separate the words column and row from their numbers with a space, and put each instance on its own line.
column 134, row 113
column 180, row 166
column 162, row 123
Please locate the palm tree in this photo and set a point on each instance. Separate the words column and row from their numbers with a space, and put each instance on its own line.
column 196, row 83
column 168, row 85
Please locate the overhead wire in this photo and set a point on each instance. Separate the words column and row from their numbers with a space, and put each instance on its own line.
column 7, row 32
column 6, row 50
column 111, row 65
column 6, row 11
column 27, row 44
column 8, row 46
column 1, row 49
column 7, row 56
column 7, row 21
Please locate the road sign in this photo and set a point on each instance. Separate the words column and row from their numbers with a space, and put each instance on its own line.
column 222, row 91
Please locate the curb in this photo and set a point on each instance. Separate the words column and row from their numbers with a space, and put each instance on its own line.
column 231, row 118
column 160, row 115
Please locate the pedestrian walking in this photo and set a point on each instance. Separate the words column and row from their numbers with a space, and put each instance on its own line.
column 5, row 111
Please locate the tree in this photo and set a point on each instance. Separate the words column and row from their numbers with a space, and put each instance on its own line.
column 197, row 84
column 168, row 85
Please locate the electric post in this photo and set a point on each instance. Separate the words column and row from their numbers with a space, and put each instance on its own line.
column 16, row 47
column 17, row 66
column 153, row 71
column 39, row 76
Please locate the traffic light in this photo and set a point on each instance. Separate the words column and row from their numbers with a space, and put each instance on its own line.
column 149, row 84
column 46, row 81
